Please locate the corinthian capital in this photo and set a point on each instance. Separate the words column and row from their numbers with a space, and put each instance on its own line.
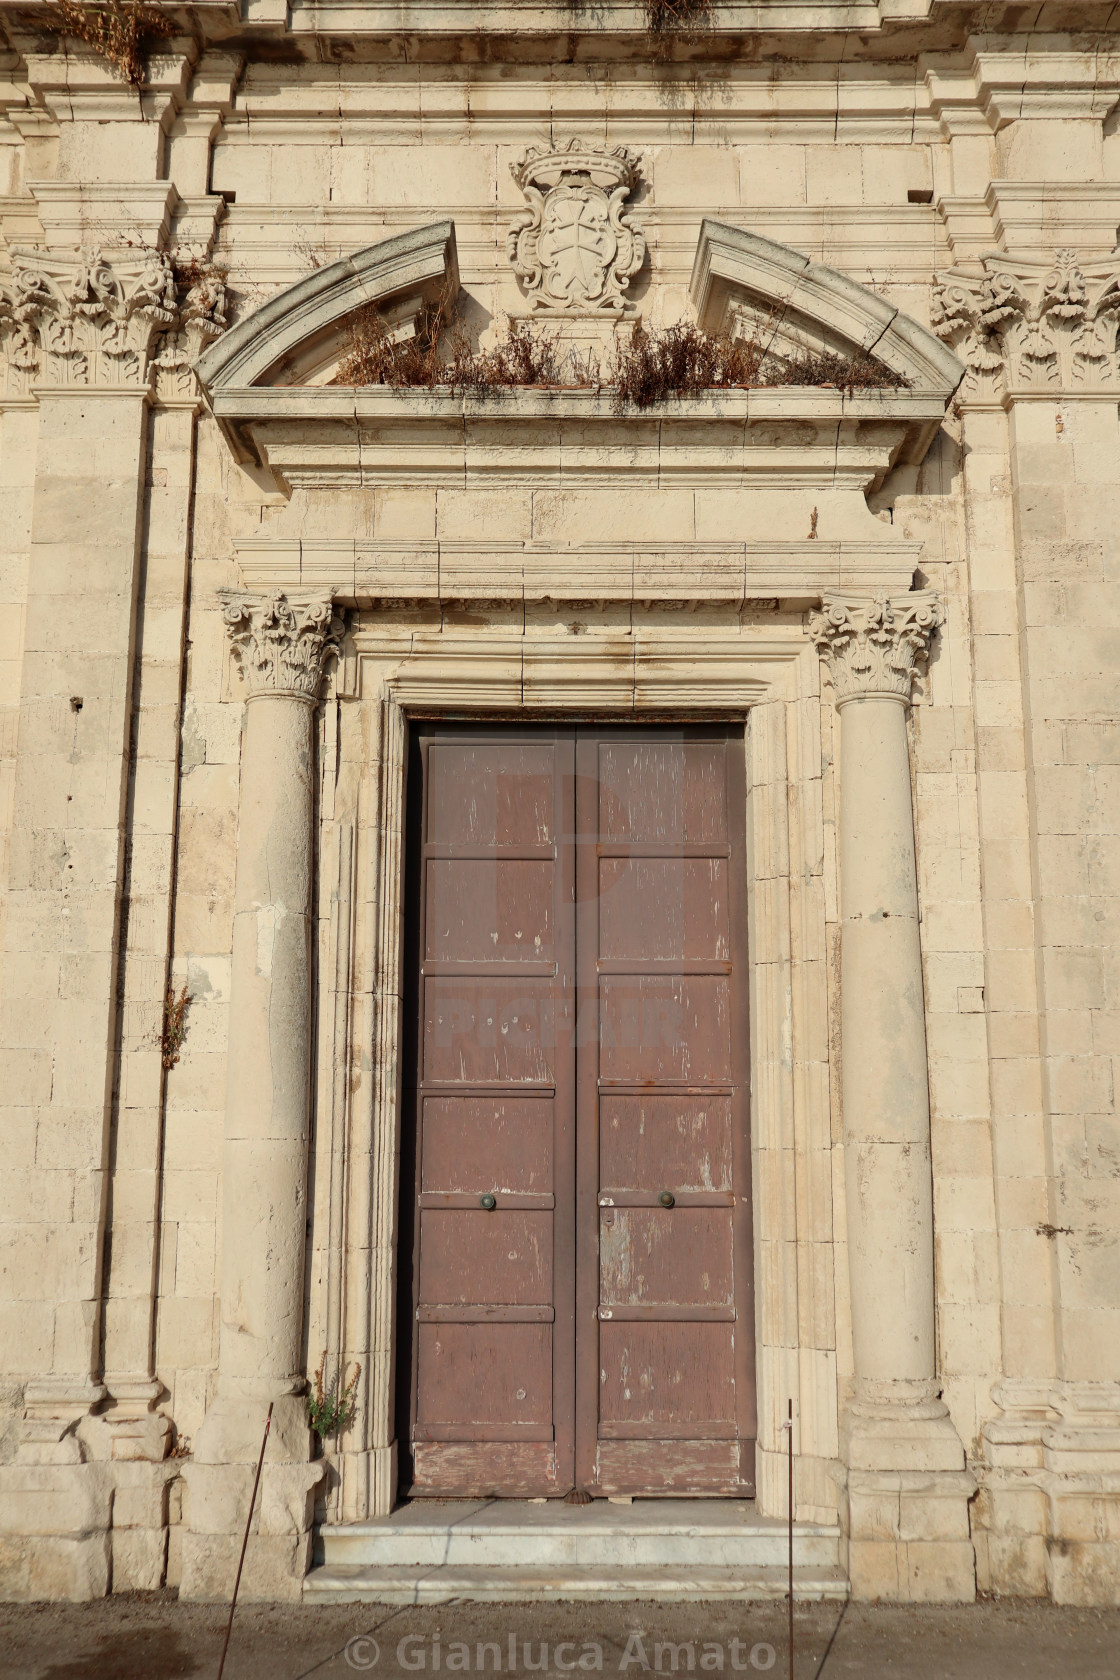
column 872, row 643
column 281, row 645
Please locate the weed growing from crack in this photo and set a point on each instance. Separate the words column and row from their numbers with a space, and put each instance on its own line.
column 331, row 1408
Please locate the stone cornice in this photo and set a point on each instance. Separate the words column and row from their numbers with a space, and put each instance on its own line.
column 88, row 319
column 281, row 645
column 872, row 643
column 1026, row 327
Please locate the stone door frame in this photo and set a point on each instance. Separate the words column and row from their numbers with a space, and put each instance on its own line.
column 773, row 681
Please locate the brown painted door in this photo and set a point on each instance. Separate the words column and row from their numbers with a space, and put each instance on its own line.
column 579, row 1303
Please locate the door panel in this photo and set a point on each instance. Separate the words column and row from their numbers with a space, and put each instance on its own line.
column 649, row 1142
column 664, row 1349
column 580, row 1303
column 493, row 1205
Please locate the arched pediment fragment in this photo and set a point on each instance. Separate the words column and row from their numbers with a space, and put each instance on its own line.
column 802, row 305
column 298, row 335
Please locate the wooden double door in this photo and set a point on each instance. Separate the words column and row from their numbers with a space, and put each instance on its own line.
column 576, row 1249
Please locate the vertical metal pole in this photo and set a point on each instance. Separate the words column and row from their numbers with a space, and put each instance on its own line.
column 245, row 1541
column 789, row 1427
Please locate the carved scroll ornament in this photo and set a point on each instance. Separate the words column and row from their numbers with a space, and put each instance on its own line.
column 85, row 318
column 1020, row 325
column 573, row 249
column 281, row 646
column 873, row 644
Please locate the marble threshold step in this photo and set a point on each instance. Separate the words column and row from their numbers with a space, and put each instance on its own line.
column 433, row 1552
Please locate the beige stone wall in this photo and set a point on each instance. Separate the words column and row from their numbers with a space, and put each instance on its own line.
column 892, row 161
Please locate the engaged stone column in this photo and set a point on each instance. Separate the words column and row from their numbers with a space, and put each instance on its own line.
column 908, row 1515
column 281, row 644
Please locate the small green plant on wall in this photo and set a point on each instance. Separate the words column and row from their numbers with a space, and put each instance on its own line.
column 332, row 1407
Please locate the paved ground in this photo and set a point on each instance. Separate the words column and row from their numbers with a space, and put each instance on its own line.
column 151, row 1637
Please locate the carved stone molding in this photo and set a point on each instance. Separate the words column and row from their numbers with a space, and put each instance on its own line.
column 573, row 249
column 1021, row 326
column 88, row 319
column 281, row 645
column 873, row 643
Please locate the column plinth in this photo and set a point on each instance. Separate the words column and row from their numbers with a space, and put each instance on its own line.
column 907, row 1486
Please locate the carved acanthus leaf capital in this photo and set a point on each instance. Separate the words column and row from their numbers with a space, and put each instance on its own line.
column 1021, row 325
column 574, row 249
column 873, row 643
column 281, row 645
column 86, row 318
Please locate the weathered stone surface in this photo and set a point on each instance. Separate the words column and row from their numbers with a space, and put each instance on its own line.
column 934, row 829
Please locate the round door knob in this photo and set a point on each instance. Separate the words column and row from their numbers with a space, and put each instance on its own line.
column 666, row 1198
column 488, row 1201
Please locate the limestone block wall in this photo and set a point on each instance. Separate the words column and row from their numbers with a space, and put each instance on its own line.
column 899, row 162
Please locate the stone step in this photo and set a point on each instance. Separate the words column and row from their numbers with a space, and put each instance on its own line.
column 453, row 1548
column 401, row 1584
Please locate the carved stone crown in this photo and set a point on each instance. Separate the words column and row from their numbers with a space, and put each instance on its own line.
column 573, row 249
column 83, row 318
column 280, row 645
column 1021, row 325
column 873, row 644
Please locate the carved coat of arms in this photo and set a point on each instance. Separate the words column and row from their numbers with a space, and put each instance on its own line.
column 573, row 249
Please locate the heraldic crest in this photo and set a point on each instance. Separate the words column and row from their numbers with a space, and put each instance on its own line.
column 573, row 249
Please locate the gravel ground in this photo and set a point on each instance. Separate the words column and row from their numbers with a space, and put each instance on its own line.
column 152, row 1637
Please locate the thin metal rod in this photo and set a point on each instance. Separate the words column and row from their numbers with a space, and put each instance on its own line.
column 245, row 1541
column 789, row 1426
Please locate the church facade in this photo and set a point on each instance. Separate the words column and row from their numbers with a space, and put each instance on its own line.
column 567, row 940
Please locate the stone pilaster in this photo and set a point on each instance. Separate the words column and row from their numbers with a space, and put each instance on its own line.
column 281, row 645
column 907, row 1487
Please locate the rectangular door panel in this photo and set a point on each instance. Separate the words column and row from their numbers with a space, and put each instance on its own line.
column 489, row 910
column 669, row 1379
column 664, row 908
column 477, row 1144
column 475, row 1379
column 491, row 794
column 647, row 1143
column 499, row 1258
column 659, row 1027
column 655, row 1257
column 479, row 1030
column 662, row 792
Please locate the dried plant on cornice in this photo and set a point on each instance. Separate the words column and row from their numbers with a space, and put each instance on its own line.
column 683, row 361
column 440, row 354
column 677, row 17
column 653, row 367
column 119, row 31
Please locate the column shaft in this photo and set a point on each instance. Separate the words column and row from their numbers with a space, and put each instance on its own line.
column 265, row 1157
column 886, row 1097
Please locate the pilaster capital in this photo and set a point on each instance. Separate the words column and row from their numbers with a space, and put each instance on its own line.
column 280, row 643
column 872, row 643
column 1025, row 327
column 85, row 318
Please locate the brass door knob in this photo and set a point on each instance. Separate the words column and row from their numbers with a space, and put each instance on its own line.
column 666, row 1198
column 488, row 1201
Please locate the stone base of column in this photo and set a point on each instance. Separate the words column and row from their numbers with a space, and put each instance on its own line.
column 54, row 1531
column 908, row 1493
column 219, row 1484
column 1049, row 1507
